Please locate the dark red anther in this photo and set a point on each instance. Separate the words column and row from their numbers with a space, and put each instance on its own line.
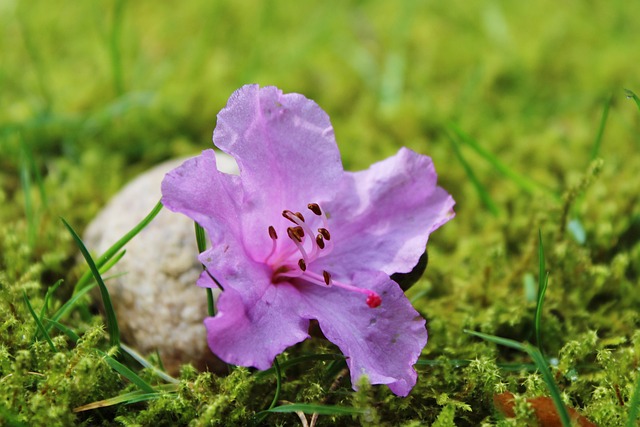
column 272, row 232
column 327, row 277
column 289, row 215
column 374, row 300
column 302, row 265
column 315, row 208
column 299, row 215
column 320, row 241
column 325, row 233
column 299, row 231
column 293, row 235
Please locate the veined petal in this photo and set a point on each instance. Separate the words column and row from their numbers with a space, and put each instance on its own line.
column 197, row 189
column 250, row 330
column 285, row 148
column 384, row 342
column 381, row 218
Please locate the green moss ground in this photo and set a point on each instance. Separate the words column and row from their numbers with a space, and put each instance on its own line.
column 95, row 92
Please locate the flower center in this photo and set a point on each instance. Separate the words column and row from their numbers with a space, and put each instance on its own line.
column 295, row 261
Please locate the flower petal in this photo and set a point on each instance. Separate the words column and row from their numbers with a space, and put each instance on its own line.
column 381, row 218
column 210, row 197
column 252, row 330
column 384, row 342
column 285, row 148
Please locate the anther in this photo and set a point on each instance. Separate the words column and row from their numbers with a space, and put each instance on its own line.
column 299, row 232
column 288, row 214
column 327, row 277
column 325, row 233
column 299, row 215
column 315, row 208
column 302, row 265
column 293, row 235
column 272, row 232
column 320, row 241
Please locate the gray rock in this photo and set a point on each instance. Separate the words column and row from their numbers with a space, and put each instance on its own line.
column 153, row 287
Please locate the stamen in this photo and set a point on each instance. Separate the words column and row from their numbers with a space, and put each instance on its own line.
column 315, row 208
column 327, row 277
column 299, row 215
column 302, row 265
column 289, row 215
column 320, row 241
column 274, row 244
column 294, row 234
column 325, row 233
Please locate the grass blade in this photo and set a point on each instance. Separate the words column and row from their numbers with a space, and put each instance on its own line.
column 127, row 399
column 69, row 305
column 201, row 241
column 127, row 373
column 144, row 362
column 298, row 360
column 67, row 331
column 482, row 192
column 634, row 405
column 115, row 248
column 47, row 296
column 526, row 184
column 497, row 340
column 112, row 322
column 543, row 280
column 542, row 366
column 260, row 416
column 631, row 95
column 603, row 122
column 38, row 322
column 316, row 409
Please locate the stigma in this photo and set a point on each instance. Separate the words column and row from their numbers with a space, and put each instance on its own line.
column 307, row 239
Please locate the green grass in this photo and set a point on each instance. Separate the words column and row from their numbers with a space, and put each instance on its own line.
column 528, row 111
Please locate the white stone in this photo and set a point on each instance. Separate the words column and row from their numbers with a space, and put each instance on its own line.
column 153, row 287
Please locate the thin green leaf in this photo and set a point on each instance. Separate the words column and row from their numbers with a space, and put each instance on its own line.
column 595, row 151
column 316, row 409
column 526, row 184
column 298, row 360
column 542, row 366
column 497, row 340
column 109, row 253
column 482, row 192
column 127, row 399
column 144, row 362
column 69, row 305
column 461, row 363
column 631, row 95
column 201, row 241
column 67, row 331
column 127, row 373
column 50, row 291
column 634, row 405
column 38, row 322
column 260, row 416
column 543, row 280
column 112, row 322
column 25, row 182
column 276, row 395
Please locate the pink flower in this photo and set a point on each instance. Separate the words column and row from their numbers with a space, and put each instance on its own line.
column 296, row 238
